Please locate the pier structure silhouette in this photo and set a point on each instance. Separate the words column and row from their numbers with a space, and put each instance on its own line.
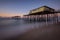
column 43, row 13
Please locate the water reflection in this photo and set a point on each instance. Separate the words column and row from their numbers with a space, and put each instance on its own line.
column 10, row 28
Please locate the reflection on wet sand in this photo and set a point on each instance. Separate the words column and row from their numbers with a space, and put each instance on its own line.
column 47, row 32
column 13, row 28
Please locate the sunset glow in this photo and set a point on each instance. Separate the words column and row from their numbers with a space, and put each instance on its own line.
column 10, row 15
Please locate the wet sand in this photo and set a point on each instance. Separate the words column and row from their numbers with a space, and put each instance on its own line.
column 47, row 32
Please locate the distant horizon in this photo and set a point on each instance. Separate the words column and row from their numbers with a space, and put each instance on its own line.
column 10, row 15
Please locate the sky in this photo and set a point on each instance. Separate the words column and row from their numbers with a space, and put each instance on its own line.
column 22, row 7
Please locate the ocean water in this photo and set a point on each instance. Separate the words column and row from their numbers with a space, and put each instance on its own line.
column 11, row 27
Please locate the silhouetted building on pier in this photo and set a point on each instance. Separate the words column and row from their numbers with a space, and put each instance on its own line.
column 43, row 13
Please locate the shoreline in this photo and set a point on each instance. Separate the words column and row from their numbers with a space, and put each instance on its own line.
column 48, row 32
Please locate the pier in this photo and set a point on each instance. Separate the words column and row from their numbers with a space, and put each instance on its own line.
column 43, row 13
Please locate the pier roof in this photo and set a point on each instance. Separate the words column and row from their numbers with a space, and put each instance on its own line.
column 42, row 10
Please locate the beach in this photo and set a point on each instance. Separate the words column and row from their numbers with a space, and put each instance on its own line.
column 13, row 28
column 47, row 32
column 50, row 32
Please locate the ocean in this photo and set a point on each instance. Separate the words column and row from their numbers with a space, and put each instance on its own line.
column 12, row 28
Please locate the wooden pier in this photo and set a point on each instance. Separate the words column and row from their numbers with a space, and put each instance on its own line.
column 43, row 13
